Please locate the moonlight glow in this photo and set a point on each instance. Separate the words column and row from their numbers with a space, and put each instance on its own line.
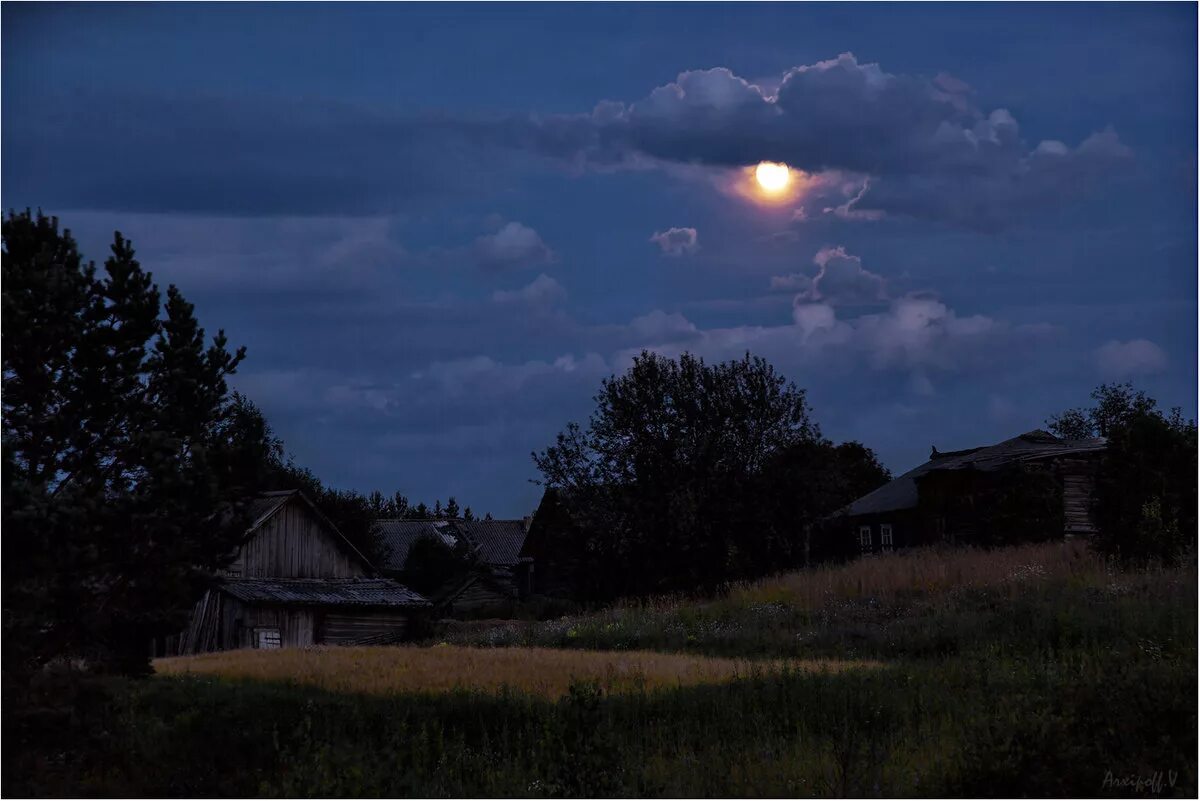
column 772, row 177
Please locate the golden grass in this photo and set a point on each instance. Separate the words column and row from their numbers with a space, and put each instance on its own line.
column 444, row 668
column 929, row 571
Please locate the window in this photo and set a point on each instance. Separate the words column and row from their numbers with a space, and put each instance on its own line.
column 864, row 537
column 885, row 536
column 268, row 638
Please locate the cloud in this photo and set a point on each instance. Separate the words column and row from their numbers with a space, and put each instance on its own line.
column 916, row 147
column 1115, row 359
column 794, row 282
column 485, row 377
column 514, row 245
column 659, row 326
column 840, row 279
column 542, row 292
column 843, row 280
column 676, row 241
column 911, row 146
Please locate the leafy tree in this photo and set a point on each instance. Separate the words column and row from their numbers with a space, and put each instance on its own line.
column 804, row 485
column 1116, row 405
column 432, row 565
column 126, row 464
column 687, row 475
column 1146, row 486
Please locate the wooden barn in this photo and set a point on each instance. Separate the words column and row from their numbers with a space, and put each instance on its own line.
column 974, row 495
column 503, row 575
column 296, row 581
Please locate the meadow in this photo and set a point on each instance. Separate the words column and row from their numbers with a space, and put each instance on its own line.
column 546, row 672
column 1039, row 670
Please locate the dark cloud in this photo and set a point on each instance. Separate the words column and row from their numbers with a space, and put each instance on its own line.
column 910, row 147
column 919, row 148
column 215, row 154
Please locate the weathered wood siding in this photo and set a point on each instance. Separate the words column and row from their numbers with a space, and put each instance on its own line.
column 366, row 627
column 480, row 596
column 297, row 627
column 294, row 543
column 1077, row 503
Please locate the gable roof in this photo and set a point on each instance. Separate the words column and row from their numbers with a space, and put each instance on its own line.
column 324, row 592
column 497, row 542
column 399, row 536
column 266, row 504
column 901, row 492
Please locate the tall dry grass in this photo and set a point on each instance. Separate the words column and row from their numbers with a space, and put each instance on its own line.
column 445, row 668
column 931, row 571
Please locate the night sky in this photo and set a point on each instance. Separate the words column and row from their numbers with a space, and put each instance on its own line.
column 437, row 229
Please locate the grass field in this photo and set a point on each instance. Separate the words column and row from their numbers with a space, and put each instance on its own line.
column 544, row 672
column 1033, row 671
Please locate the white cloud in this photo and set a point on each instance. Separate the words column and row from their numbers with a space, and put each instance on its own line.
column 677, row 241
column 514, row 245
column 1116, row 359
column 541, row 292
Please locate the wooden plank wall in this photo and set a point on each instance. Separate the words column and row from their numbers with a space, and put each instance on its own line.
column 295, row 544
column 368, row 627
column 480, row 596
column 297, row 627
column 1077, row 503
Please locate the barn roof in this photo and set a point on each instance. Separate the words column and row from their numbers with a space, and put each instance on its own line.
column 498, row 542
column 324, row 592
column 901, row 492
column 399, row 536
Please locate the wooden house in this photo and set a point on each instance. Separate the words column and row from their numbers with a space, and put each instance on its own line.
column 552, row 547
column 296, row 581
column 960, row 496
column 502, row 575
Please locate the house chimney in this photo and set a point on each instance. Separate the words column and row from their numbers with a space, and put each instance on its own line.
column 525, row 521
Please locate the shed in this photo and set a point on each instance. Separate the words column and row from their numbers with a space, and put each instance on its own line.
column 297, row 581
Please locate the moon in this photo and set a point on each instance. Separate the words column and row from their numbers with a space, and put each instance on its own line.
column 772, row 177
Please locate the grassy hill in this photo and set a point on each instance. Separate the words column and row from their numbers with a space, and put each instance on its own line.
column 1038, row 670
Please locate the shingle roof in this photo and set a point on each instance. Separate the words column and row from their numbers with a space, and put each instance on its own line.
column 498, row 542
column 901, row 492
column 324, row 592
column 400, row 535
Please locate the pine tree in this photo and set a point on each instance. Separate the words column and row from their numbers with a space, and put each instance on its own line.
column 126, row 465
column 452, row 508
